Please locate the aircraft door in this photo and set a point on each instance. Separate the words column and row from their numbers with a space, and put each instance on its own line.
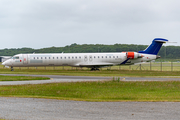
column 85, row 58
column 90, row 59
column 25, row 59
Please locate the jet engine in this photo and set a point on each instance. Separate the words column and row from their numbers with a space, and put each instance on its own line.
column 133, row 55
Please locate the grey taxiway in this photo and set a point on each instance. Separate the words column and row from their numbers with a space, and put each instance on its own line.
column 61, row 78
column 49, row 109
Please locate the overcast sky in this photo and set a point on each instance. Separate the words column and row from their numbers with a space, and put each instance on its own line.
column 46, row 23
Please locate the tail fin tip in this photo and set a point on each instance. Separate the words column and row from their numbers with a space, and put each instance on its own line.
column 162, row 40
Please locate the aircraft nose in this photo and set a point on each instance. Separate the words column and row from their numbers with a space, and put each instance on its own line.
column 6, row 63
column 3, row 63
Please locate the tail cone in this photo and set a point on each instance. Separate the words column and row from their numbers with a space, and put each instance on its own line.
column 157, row 57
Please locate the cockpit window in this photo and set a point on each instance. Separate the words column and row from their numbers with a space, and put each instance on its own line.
column 15, row 57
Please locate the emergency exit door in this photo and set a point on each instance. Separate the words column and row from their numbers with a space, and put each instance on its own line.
column 25, row 59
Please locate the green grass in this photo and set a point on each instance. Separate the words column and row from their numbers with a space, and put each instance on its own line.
column 155, row 66
column 167, row 68
column 143, row 73
column 21, row 78
column 98, row 91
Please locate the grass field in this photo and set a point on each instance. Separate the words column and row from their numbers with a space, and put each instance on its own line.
column 99, row 91
column 153, row 66
column 21, row 78
column 112, row 73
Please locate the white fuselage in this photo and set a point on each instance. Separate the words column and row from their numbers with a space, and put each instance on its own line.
column 74, row 59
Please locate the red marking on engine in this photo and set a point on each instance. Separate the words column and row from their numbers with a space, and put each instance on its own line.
column 130, row 55
column 20, row 60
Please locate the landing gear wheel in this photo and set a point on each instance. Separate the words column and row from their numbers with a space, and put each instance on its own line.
column 97, row 68
column 92, row 69
column 12, row 69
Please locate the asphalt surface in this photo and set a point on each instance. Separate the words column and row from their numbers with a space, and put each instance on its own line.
column 53, row 79
column 47, row 109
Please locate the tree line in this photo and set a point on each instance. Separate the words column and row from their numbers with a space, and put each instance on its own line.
column 170, row 52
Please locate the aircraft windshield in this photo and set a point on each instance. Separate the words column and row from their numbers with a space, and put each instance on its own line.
column 15, row 57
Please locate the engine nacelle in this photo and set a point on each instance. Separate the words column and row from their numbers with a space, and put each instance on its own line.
column 133, row 55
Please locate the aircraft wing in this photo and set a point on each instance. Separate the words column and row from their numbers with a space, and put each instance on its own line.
column 101, row 64
column 96, row 64
column 139, row 63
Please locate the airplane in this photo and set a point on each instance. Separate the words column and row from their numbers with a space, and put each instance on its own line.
column 90, row 60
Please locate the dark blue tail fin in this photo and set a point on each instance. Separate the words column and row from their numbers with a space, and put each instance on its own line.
column 154, row 47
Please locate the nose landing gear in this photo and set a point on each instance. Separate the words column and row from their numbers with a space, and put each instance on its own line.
column 12, row 69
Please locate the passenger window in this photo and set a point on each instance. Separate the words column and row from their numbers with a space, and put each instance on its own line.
column 57, row 57
column 61, row 57
column 113, row 56
column 76, row 57
column 106, row 56
column 72, row 57
column 79, row 57
column 45, row 57
column 94, row 56
column 34, row 58
column 64, row 57
column 69, row 57
column 102, row 56
column 109, row 56
column 117, row 56
column 49, row 57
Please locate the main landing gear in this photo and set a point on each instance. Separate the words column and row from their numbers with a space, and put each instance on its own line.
column 12, row 69
column 94, row 69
